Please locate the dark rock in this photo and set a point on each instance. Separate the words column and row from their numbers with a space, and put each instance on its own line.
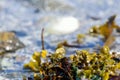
column 37, row 10
column 118, row 29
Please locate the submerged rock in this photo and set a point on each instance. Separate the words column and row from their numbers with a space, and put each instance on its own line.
column 9, row 42
column 61, row 5
column 53, row 5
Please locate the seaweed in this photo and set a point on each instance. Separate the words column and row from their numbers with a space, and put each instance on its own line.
column 42, row 38
column 66, row 44
column 82, row 64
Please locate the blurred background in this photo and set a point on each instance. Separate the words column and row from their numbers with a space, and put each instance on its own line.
column 21, row 22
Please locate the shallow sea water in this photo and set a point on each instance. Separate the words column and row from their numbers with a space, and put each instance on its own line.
column 26, row 18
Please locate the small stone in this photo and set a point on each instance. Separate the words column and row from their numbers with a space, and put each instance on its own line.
column 37, row 10
column 9, row 42
column 62, row 25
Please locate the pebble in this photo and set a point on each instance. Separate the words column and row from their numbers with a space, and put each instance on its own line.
column 63, row 25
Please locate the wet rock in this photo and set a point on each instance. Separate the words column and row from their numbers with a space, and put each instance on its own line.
column 9, row 42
